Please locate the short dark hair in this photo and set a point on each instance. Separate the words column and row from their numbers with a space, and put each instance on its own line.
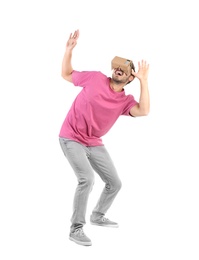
column 132, row 66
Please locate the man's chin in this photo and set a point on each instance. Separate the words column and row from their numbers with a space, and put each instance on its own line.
column 116, row 81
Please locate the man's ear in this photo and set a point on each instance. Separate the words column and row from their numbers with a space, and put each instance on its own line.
column 131, row 78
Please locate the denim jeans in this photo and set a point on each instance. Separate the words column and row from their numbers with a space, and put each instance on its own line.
column 85, row 160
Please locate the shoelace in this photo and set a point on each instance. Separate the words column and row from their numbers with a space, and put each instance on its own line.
column 80, row 231
column 104, row 219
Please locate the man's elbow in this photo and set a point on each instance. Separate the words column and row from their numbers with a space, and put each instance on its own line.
column 145, row 112
column 63, row 76
column 67, row 77
column 141, row 112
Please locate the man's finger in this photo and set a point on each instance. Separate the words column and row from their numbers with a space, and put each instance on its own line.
column 70, row 36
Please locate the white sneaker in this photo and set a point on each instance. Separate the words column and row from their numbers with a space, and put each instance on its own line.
column 79, row 237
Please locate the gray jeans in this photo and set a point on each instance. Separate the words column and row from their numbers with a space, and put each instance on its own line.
column 84, row 160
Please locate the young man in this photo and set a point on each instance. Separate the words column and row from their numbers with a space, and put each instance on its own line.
column 94, row 111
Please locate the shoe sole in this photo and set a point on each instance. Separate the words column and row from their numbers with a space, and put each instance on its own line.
column 101, row 225
column 80, row 242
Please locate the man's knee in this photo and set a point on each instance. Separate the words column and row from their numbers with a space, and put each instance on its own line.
column 114, row 185
column 86, row 181
column 118, row 184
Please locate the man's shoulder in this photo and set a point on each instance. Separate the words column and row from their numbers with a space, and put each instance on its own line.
column 91, row 72
column 100, row 74
column 83, row 77
column 97, row 73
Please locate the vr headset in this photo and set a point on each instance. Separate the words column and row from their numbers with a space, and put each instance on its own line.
column 122, row 63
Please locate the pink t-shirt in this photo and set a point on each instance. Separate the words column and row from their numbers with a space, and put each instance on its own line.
column 95, row 109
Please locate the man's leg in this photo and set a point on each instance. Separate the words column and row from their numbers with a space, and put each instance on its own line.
column 77, row 156
column 104, row 166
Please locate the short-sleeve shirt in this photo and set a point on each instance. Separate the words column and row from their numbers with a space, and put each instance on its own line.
column 95, row 109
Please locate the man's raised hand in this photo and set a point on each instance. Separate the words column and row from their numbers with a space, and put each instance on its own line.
column 72, row 41
column 143, row 69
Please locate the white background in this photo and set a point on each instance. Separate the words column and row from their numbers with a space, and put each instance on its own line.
column 156, row 156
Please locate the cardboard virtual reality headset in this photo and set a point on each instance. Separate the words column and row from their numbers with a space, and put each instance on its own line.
column 121, row 63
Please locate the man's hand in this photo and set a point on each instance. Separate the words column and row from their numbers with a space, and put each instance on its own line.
column 143, row 107
column 72, row 41
column 67, row 68
column 143, row 69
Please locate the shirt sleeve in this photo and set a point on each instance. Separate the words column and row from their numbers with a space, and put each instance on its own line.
column 131, row 102
column 81, row 78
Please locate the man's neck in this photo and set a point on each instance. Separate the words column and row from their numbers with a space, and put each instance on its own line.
column 116, row 87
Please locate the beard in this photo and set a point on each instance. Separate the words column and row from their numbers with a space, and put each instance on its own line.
column 118, row 81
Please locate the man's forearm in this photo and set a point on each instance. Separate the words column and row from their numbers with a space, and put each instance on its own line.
column 66, row 64
column 144, row 102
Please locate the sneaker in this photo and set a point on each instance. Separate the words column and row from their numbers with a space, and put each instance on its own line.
column 79, row 237
column 102, row 221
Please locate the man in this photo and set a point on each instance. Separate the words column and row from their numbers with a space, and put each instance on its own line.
column 94, row 111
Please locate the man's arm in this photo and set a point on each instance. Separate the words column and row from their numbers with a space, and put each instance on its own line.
column 67, row 68
column 143, row 107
